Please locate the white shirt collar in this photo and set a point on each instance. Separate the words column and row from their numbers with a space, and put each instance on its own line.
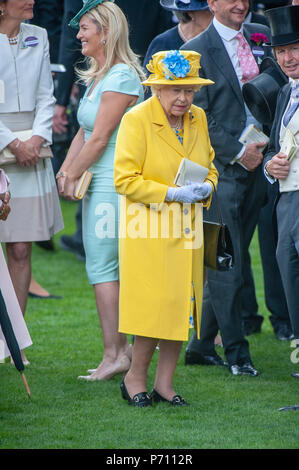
column 225, row 32
column 248, row 18
column 294, row 82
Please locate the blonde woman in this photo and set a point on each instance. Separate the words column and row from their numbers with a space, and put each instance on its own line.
column 113, row 87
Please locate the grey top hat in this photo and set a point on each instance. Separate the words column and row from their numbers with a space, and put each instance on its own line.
column 284, row 24
column 184, row 5
column 260, row 93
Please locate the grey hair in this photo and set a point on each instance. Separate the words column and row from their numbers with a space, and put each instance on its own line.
column 182, row 16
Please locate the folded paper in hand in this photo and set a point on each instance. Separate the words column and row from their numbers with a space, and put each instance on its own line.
column 289, row 145
column 253, row 135
column 82, row 185
column 190, row 171
column 6, row 157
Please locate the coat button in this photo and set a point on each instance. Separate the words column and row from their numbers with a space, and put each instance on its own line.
column 187, row 230
column 186, row 211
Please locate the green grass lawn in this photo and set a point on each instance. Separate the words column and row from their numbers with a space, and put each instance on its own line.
column 225, row 412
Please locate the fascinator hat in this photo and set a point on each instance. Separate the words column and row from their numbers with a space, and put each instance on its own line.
column 87, row 5
column 175, row 68
column 184, row 5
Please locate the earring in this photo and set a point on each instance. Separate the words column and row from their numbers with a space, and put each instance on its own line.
column 103, row 42
column 1, row 13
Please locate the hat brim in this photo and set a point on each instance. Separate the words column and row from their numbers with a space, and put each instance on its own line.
column 74, row 23
column 283, row 40
column 171, row 6
column 179, row 81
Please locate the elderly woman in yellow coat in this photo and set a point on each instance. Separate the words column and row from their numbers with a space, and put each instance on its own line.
column 161, row 240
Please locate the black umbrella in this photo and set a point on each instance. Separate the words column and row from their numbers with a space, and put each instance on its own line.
column 11, row 341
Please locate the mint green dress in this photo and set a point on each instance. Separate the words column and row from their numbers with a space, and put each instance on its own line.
column 100, row 204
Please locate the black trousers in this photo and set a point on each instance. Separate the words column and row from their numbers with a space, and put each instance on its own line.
column 241, row 196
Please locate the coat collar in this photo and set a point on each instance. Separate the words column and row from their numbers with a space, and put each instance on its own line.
column 165, row 132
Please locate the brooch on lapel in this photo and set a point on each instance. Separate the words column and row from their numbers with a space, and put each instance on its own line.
column 30, row 41
column 259, row 40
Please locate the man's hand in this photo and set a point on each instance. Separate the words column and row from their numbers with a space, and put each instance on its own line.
column 60, row 121
column 252, row 157
column 278, row 166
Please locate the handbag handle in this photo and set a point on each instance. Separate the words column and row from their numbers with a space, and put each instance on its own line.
column 220, row 219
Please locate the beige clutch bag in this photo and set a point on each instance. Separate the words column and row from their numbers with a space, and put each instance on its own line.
column 82, row 185
column 6, row 157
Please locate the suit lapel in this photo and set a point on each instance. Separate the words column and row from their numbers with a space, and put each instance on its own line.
column 283, row 103
column 219, row 55
column 248, row 31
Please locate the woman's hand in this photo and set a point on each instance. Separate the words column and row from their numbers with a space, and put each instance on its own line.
column 190, row 193
column 4, row 210
column 5, row 197
column 66, row 186
column 26, row 153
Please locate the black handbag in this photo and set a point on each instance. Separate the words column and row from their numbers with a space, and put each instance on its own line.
column 218, row 247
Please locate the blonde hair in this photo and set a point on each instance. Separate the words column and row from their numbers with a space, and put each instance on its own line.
column 108, row 16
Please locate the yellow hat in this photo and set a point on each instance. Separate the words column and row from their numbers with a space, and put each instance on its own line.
column 175, row 68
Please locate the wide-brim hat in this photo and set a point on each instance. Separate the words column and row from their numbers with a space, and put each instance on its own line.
column 284, row 24
column 175, row 68
column 87, row 5
column 184, row 5
column 260, row 93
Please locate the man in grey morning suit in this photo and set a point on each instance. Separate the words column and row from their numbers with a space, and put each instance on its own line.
column 240, row 188
column 284, row 23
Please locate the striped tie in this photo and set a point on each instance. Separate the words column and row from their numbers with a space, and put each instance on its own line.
column 293, row 105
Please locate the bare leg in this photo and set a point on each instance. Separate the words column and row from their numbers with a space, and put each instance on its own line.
column 19, row 266
column 143, row 350
column 115, row 359
column 169, row 352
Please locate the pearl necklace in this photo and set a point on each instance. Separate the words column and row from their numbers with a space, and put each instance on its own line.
column 181, row 33
column 13, row 41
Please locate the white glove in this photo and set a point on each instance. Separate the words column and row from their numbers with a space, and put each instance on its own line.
column 203, row 190
column 188, row 193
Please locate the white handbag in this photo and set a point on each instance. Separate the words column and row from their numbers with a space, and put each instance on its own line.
column 6, row 157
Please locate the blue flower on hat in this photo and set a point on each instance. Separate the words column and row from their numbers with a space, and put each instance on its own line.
column 175, row 65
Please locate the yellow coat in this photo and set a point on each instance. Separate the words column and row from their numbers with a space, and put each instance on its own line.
column 157, row 268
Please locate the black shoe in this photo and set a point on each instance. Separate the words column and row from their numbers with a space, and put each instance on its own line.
column 287, row 408
column 284, row 332
column 192, row 357
column 252, row 325
column 244, row 369
column 295, row 375
column 46, row 245
column 36, row 296
column 176, row 400
column 140, row 399
column 67, row 243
